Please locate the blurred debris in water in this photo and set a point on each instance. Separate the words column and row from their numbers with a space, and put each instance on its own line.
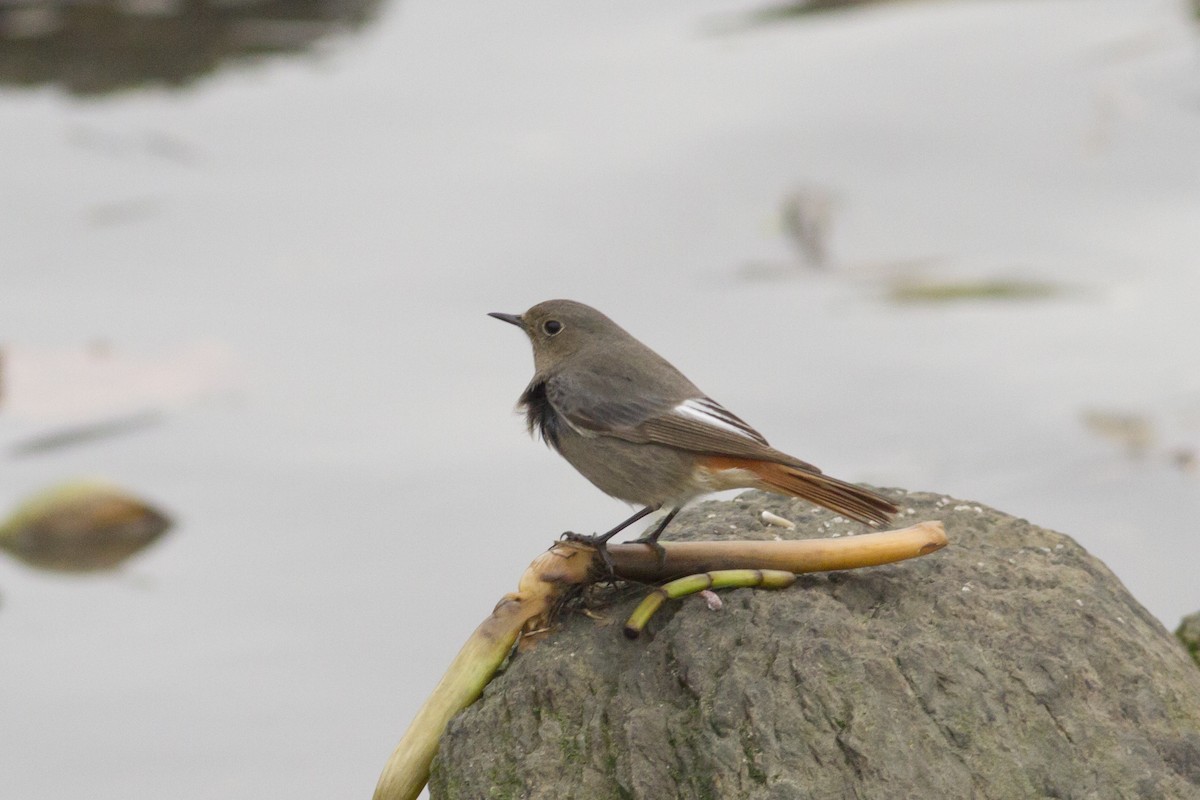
column 1184, row 459
column 81, row 527
column 1134, row 432
column 786, row 12
column 84, row 434
column 918, row 290
column 166, row 146
column 1168, row 435
column 807, row 218
column 104, row 46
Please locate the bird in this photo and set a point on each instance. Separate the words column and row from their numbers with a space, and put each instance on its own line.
column 640, row 431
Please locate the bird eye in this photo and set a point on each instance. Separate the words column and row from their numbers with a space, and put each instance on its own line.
column 552, row 326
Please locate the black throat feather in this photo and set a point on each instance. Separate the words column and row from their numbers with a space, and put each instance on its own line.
column 539, row 414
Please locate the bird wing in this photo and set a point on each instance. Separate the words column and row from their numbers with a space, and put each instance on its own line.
column 697, row 424
column 587, row 402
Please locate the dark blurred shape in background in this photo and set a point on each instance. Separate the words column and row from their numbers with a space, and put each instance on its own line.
column 81, row 434
column 81, row 527
column 99, row 46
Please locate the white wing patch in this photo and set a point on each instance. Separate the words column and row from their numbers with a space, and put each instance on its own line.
column 584, row 432
column 710, row 412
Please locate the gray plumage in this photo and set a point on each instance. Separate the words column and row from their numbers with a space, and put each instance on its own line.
column 638, row 429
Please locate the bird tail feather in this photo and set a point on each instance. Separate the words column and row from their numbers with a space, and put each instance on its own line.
column 846, row 499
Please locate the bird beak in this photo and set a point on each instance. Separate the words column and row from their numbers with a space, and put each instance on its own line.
column 512, row 319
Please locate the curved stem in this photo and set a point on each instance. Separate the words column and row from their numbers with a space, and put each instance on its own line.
column 721, row 579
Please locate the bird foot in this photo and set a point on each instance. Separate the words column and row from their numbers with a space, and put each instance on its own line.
column 652, row 542
column 601, row 545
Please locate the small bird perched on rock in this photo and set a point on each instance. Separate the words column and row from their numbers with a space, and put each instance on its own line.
column 640, row 431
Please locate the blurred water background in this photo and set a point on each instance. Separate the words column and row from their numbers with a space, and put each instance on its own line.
column 246, row 252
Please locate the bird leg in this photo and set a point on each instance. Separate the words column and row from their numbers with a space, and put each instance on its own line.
column 652, row 537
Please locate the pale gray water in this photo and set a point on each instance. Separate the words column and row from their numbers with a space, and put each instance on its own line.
column 300, row 254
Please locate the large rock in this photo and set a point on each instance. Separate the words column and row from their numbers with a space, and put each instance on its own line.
column 1010, row 665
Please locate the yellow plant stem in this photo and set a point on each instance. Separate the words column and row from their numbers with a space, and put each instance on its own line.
column 640, row 562
column 570, row 564
column 721, row 579
column 563, row 565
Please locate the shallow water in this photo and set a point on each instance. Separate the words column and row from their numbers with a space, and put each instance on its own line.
column 288, row 263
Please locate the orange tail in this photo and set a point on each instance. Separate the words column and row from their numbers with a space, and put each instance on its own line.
column 846, row 499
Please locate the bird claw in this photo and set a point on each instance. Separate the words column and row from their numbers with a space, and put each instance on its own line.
column 598, row 542
column 659, row 550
